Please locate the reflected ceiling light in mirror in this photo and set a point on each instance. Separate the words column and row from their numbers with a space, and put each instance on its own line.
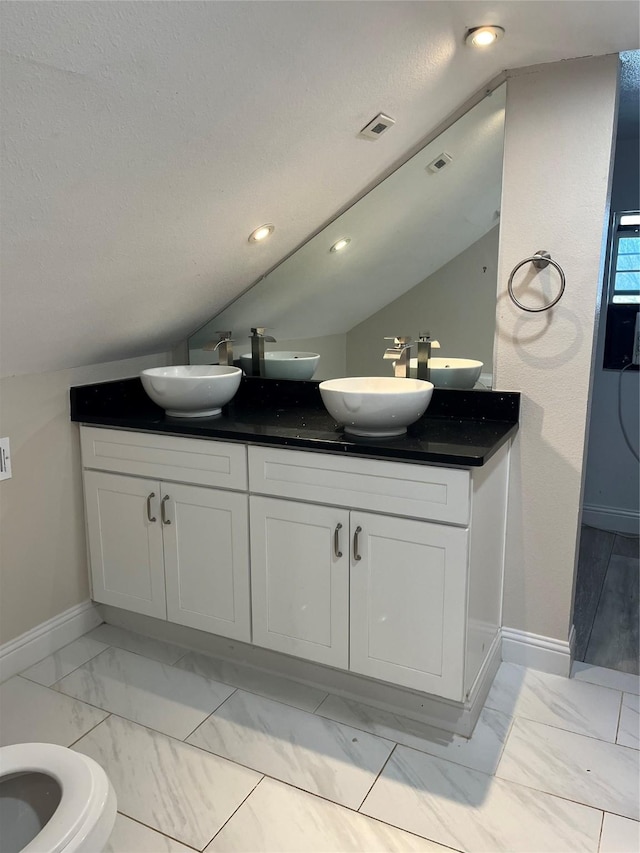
column 261, row 233
column 483, row 36
column 340, row 244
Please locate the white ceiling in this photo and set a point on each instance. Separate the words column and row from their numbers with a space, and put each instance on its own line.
column 143, row 141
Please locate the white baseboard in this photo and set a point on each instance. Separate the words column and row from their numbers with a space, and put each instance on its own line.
column 47, row 638
column 543, row 653
column 619, row 520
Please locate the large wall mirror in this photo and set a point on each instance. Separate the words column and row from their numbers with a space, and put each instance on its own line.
column 421, row 257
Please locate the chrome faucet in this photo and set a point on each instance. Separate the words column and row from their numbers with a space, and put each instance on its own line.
column 424, row 347
column 399, row 353
column 258, row 338
column 225, row 345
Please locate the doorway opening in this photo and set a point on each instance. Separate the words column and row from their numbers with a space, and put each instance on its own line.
column 607, row 603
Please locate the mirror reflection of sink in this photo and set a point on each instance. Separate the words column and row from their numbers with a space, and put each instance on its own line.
column 452, row 372
column 192, row 390
column 284, row 364
column 376, row 406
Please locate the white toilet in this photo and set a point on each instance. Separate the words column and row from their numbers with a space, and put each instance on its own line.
column 53, row 799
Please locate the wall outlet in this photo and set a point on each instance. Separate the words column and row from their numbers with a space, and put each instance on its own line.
column 5, row 459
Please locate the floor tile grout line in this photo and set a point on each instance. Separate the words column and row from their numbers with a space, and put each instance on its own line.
column 563, row 678
column 214, row 680
column 234, row 812
column 597, row 608
column 321, row 702
column 274, row 779
column 602, row 585
column 379, row 773
column 601, row 831
column 88, row 732
column 567, row 731
column 392, row 739
column 208, row 717
column 181, row 658
column 351, row 809
column 233, row 687
column 512, row 720
column 555, row 726
column 573, row 677
column 619, row 719
column 154, row 829
column 356, row 811
column 566, row 799
column 255, row 693
column 97, row 654
column 401, row 743
column 146, row 657
column 145, row 637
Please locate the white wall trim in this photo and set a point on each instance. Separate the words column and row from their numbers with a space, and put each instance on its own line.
column 612, row 518
column 47, row 638
column 543, row 653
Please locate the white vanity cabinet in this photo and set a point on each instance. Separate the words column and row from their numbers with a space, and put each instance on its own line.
column 379, row 595
column 408, row 602
column 300, row 579
column 389, row 569
column 163, row 548
column 125, row 543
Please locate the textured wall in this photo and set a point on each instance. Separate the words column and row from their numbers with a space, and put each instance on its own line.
column 43, row 563
column 558, row 143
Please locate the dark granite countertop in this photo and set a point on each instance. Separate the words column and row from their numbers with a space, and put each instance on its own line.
column 459, row 427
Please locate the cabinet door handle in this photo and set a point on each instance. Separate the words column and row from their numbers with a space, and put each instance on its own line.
column 356, row 535
column 149, row 516
column 336, row 540
column 163, row 511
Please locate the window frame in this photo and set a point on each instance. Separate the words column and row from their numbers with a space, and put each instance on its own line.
column 618, row 231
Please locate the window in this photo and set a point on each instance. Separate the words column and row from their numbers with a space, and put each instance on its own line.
column 624, row 279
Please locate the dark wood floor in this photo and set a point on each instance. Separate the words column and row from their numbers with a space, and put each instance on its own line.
column 606, row 613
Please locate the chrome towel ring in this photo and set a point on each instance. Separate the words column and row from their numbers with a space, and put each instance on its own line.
column 540, row 260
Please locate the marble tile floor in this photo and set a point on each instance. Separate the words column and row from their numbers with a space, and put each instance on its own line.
column 211, row 755
column 607, row 603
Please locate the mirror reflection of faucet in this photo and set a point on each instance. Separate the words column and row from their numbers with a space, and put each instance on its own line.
column 224, row 348
column 399, row 354
column 258, row 338
column 424, row 347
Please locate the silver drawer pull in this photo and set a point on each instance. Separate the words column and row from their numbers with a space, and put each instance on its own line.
column 163, row 511
column 149, row 516
column 336, row 540
column 356, row 555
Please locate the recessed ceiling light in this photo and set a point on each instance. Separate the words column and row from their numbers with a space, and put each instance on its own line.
column 483, row 36
column 261, row 233
column 340, row 244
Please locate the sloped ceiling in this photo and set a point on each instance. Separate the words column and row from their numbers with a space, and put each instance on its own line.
column 143, row 141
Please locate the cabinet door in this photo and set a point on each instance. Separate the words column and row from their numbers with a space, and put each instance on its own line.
column 125, row 546
column 299, row 584
column 408, row 600
column 206, row 554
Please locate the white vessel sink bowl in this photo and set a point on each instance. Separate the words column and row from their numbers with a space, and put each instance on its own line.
column 284, row 364
column 193, row 390
column 376, row 406
column 452, row 372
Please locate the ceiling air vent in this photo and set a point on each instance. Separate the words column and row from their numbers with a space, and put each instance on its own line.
column 377, row 126
column 441, row 161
